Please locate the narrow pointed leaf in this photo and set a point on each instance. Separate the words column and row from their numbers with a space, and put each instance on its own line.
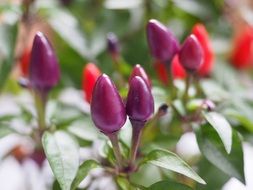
column 222, row 127
column 67, row 26
column 83, row 171
column 169, row 160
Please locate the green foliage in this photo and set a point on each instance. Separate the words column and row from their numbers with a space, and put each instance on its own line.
column 5, row 130
column 8, row 35
column 167, row 185
column 210, row 146
column 62, row 153
column 78, row 33
column 169, row 160
column 222, row 127
column 83, row 171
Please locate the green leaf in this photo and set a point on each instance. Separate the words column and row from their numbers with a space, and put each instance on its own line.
column 123, row 183
column 8, row 35
column 169, row 160
column 5, row 130
column 214, row 177
column 108, row 153
column 67, row 26
column 214, row 91
column 84, row 129
column 240, row 117
column 229, row 79
column 147, row 175
column 168, row 185
column 56, row 185
column 244, row 112
column 222, row 127
column 83, row 171
column 210, row 145
column 193, row 7
column 63, row 156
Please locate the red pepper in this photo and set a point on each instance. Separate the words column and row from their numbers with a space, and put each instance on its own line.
column 20, row 152
column 201, row 34
column 242, row 53
column 24, row 62
column 177, row 70
column 90, row 76
column 161, row 72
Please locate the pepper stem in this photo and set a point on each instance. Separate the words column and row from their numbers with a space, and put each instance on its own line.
column 40, row 105
column 116, row 149
column 187, row 87
column 137, row 127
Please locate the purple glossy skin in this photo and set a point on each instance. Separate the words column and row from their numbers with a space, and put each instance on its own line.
column 113, row 44
column 163, row 44
column 140, row 102
column 191, row 54
column 107, row 109
column 44, row 70
column 139, row 71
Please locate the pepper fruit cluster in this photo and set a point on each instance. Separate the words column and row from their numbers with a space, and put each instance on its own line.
column 164, row 48
column 109, row 113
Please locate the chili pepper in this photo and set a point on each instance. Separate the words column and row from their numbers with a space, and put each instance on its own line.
column 107, row 109
column 90, row 75
column 201, row 34
column 191, row 54
column 139, row 71
column 162, row 43
column 44, row 72
column 242, row 53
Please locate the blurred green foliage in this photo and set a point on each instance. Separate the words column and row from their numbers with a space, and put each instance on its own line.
column 79, row 31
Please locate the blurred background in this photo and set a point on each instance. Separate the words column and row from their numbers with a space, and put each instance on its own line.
column 78, row 31
column 78, row 28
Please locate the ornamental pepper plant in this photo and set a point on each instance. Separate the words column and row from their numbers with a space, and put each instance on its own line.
column 125, row 95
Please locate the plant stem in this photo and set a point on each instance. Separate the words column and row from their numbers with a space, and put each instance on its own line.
column 187, row 86
column 116, row 149
column 40, row 104
column 198, row 86
column 136, row 135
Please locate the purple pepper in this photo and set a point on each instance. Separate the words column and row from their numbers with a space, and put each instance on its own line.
column 139, row 71
column 107, row 108
column 113, row 44
column 44, row 72
column 162, row 43
column 140, row 102
column 191, row 54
